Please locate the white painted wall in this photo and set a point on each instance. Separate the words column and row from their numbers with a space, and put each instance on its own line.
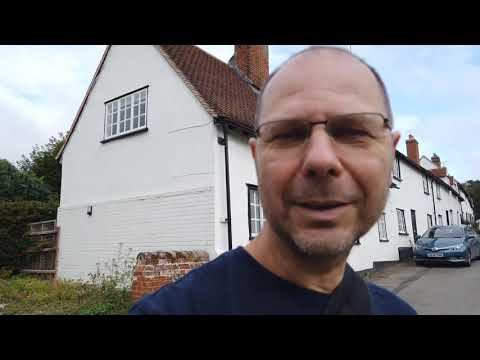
column 174, row 155
column 127, row 180
column 179, row 220
column 242, row 172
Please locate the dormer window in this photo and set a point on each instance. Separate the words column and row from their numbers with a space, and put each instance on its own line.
column 126, row 114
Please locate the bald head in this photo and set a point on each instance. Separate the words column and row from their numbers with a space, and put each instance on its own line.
column 329, row 65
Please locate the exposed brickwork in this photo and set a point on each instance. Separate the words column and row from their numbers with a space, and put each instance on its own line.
column 156, row 269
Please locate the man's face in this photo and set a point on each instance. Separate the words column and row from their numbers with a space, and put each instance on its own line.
column 322, row 196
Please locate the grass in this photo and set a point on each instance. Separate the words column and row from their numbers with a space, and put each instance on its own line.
column 30, row 295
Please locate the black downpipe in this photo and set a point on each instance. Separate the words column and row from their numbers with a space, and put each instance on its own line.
column 227, row 181
column 433, row 198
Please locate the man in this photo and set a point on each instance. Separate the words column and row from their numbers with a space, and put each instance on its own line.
column 324, row 153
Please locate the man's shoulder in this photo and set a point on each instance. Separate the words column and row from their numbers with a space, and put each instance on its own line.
column 199, row 288
column 387, row 303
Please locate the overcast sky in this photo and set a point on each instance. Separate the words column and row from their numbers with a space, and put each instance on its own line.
column 434, row 93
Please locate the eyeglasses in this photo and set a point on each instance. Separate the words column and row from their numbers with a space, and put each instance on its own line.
column 347, row 129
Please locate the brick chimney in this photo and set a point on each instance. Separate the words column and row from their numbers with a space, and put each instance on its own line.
column 412, row 149
column 252, row 63
column 436, row 160
column 442, row 172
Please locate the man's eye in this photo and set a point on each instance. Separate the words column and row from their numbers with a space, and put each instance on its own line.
column 291, row 135
column 350, row 133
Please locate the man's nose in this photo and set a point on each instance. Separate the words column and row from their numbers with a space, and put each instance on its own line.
column 320, row 158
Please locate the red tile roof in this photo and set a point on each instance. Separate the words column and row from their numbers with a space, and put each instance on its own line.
column 225, row 93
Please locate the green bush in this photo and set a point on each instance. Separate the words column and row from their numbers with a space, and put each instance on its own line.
column 14, row 218
column 106, row 292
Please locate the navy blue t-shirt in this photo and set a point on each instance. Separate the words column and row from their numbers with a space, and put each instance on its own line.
column 235, row 283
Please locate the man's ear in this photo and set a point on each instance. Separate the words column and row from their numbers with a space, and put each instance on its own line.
column 252, row 142
column 395, row 138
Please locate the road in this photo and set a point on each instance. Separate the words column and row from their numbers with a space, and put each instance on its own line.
column 434, row 290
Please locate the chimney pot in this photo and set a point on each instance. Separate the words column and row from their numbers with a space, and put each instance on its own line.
column 436, row 160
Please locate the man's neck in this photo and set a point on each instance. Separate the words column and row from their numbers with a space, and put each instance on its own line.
column 275, row 255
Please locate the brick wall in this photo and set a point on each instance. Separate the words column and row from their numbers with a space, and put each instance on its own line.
column 155, row 269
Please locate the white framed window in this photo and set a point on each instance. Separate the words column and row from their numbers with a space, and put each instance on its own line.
column 126, row 114
column 438, row 190
column 426, row 190
column 402, row 227
column 451, row 217
column 396, row 168
column 382, row 228
column 440, row 220
column 256, row 218
column 429, row 221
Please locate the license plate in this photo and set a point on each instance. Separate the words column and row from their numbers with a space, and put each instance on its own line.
column 435, row 255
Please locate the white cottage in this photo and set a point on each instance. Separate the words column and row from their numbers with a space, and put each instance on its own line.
column 157, row 159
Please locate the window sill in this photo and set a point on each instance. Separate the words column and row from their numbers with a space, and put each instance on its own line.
column 396, row 178
column 402, row 233
column 384, row 240
column 124, row 135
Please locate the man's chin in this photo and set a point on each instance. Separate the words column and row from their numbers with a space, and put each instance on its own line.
column 324, row 243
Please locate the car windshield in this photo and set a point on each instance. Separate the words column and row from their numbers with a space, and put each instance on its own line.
column 444, row 232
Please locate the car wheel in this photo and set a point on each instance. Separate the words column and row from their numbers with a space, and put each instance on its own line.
column 468, row 259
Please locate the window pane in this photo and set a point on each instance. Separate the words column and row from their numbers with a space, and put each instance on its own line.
column 114, row 129
column 142, row 108
column 142, row 120
column 136, row 98
column 115, row 105
column 109, row 108
column 135, row 122
column 252, row 226
column 122, row 115
column 109, row 131
column 135, row 110
column 129, row 100
column 122, row 128
column 257, row 212
column 128, row 113
column 143, row 94
column 252, row 211
column 115, row 118
column 122, row 103
column 109, row 119
column 127, row 125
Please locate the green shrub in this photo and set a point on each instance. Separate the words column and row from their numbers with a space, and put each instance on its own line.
column 106, row 292
column 14, row 218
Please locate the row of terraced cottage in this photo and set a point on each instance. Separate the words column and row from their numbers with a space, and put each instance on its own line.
column 157, row 159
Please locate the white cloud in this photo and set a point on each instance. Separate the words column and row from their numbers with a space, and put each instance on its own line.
column 41, row 88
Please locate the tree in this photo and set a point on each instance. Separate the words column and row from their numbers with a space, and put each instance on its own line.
column 42, row 164
column 17, row 185
column 472, row 187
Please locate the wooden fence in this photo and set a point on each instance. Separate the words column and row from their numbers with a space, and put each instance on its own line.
column 42, row 256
